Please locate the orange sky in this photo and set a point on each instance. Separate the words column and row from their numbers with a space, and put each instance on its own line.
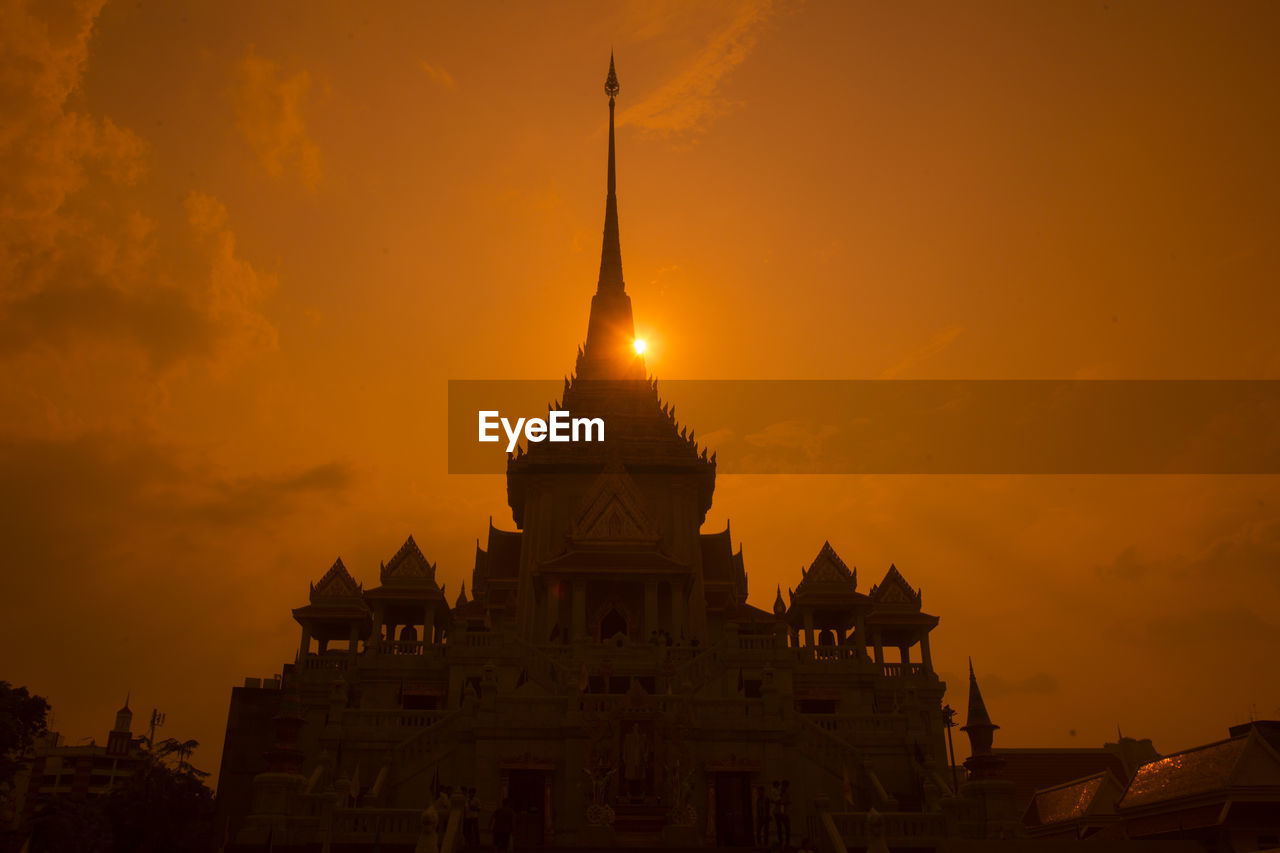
column 244, row 246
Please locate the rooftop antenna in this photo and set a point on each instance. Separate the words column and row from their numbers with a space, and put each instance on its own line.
column 157, row 721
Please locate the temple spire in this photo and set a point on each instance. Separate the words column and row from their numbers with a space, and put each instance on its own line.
column 978, row 726
column 611, row 250
column 611, row 332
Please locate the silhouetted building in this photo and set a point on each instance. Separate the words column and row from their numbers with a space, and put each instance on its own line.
column 606, row 676
column 606, row 673
column 82, row 770
column 1223, row 795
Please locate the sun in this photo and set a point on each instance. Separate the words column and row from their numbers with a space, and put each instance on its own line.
column 640, row 346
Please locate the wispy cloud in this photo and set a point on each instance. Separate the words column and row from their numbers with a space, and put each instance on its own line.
column 438, row 75
column 78, row 275
column 937, row 344
column 690, row 98
column 269, row 109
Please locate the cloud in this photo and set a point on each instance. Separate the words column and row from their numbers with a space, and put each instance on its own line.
column 690, row 98
column 1036, row 684
column 71, row 505
column 1247, row 556
column 937, row 344
column 269, row 110
column 439, row 76
column 48, row 151
column 82, row 264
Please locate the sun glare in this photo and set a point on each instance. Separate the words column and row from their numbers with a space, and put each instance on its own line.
column 640, row 346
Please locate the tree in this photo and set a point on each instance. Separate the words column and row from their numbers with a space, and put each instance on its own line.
column 164, row 806
column 71, row 823
column 23, row 718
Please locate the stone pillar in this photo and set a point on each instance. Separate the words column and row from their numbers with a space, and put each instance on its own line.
column 925, row 657
column 548, row 800
column 553, row 608
column 677, row 610
column 860, row 635
column 428, row 626
column 711, row 809
column 304, row 647
column 353, row 641
column 579, row 610
column 879, row 645
column 650, row 609
column 808, row 627
column 374, row 643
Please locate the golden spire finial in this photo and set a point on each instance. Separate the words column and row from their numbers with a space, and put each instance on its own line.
column 611, row 82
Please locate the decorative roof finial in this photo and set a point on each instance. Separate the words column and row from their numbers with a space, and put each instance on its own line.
column 611, row 82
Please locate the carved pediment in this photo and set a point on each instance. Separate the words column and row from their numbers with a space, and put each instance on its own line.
column 408, row 564
column 613, row 511
column 894, row 589
column 828, row 572
column 336, row 585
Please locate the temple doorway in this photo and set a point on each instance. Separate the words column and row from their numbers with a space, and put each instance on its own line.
column 527, row 790
column 612, row 623
column 733, row 810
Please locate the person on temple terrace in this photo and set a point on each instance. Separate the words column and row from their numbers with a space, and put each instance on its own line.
column 504, row 819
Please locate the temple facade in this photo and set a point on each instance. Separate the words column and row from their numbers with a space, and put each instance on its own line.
column 603, row 670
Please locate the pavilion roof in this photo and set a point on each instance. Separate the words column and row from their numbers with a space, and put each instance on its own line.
column 1075, row 800
column 1246, row 761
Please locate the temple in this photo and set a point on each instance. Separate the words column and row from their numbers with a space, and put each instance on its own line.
column 603, row 670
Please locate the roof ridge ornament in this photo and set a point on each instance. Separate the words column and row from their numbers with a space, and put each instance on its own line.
column 611, row 87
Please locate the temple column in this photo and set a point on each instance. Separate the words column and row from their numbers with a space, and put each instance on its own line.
column 808, row 627
column 428, row 627
column 353, row 641
column 553, row 609
column 650, row 609
column 925, row 657
column 860, row 635
column 579, row 610
column 879, row 646
column 304, row 648
column 375, row 632
column 677, row 610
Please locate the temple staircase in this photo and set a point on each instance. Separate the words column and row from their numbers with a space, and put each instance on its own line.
column 425, row 748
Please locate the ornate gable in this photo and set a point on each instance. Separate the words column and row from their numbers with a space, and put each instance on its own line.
column 337, row 585
column 408, row 564
column 613, row 511
column 894, row 589
column 827, row 572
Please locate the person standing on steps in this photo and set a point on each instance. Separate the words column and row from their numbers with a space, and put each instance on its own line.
column 783, row 813
column 504, row 819
column 762, row 817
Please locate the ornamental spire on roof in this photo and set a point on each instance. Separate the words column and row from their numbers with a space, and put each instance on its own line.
column 978, row 726
column 611, row 251
column 611, row 331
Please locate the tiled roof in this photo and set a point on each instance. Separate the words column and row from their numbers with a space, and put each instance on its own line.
column 1033, row 770
column 1184, row 774
column 1069, row 801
